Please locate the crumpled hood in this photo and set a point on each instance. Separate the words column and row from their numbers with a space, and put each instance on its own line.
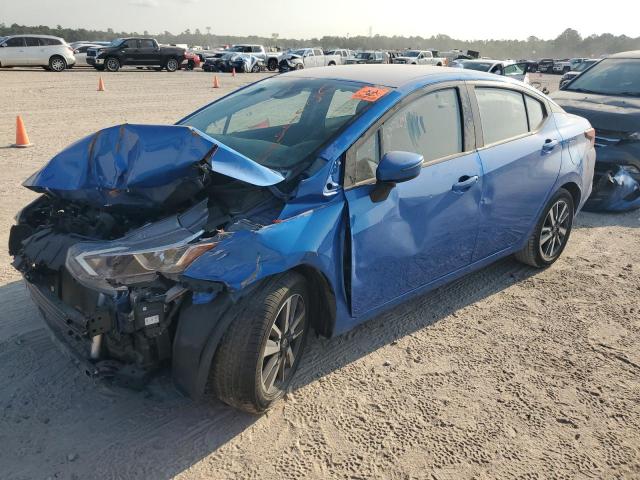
column 145, row 166
column 291, row 56
column 604, row 112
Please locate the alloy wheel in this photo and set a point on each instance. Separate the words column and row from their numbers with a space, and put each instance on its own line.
column 172, row 65
column 554, row 230
column 57, row 65
column 113, row 65
column 281, row 349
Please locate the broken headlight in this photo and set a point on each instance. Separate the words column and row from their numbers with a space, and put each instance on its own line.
column 106, row 268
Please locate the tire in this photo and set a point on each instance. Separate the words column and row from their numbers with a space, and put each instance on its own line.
column 244, row 374
column 191, row 65
column 172, row 65
column 57, row 64
column 299, row 66
column 255, row 68
column 111, row 64
column 332, row 64
column 540, row 252
column 272, row 65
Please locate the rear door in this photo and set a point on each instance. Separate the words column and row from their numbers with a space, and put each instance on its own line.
column 148, row 53
column 32, row 52
column 410, row 235
column 14, row 52
column 521, row 157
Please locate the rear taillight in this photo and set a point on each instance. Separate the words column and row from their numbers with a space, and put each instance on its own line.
column 591, row 136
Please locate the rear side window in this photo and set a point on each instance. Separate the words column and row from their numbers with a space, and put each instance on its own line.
column 430, row 125
column 502, row 113
column 535, row 111
column 147, row 44
column 32, row 42
column 15, row 42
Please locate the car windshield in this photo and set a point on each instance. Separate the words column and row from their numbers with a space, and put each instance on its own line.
column 281, row 122
column 364, row 55
column 480, row 66
column 236, row 48
column 411, row 53
column 2, row 39
column 611, row 76
column 299, row 52
column 116, row 42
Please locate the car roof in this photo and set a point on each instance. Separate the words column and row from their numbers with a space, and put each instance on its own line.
column 629, row 54
column 33, row 35
column 394, row 76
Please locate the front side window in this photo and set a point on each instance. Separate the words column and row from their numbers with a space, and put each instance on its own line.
column 147, row 44
column 131, row 44
column 430, row 125
column 502, row 113
column 281, row 122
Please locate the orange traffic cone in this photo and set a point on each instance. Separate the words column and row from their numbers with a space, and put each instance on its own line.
column 101, row 85
column 233, row 72
column 216, row 83
column 22, row 139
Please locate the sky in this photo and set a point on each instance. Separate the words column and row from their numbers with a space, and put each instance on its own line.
column 464, row 19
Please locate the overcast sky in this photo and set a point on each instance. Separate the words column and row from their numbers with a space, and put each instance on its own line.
column 464, row 19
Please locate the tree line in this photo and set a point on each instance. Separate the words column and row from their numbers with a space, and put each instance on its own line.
column 568, row 44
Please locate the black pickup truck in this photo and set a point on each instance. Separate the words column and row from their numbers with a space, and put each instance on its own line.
column 139, row 52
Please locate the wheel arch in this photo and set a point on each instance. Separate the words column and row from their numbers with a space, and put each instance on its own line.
column 323, row 299
column 575, row 192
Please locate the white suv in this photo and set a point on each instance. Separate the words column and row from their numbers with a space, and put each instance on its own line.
column 45, row 51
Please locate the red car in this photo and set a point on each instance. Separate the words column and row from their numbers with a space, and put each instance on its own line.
column 191, row 61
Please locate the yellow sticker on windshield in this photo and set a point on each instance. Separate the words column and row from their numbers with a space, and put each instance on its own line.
column 370, row 94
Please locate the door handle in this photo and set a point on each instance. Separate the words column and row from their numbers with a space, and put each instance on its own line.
column 549, row 145
column 464, row 183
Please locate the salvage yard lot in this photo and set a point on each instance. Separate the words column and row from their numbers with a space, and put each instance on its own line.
column 508, row 372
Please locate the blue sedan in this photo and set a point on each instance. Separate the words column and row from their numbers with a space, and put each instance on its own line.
column 313, row 200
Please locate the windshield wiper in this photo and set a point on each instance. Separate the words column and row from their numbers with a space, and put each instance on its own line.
column 584, row 90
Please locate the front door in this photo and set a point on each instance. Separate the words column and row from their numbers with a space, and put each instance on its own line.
column 407, row 236
column 521, row 161
column 14, row 53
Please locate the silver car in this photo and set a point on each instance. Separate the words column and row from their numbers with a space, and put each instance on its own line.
column 51, row 53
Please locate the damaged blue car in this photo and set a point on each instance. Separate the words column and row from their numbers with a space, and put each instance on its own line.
column 310, row 201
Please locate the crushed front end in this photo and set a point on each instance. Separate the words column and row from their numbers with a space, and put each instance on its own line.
column 104, row 247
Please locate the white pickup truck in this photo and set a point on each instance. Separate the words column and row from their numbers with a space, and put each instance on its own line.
column 307, row 58
column 420, row 57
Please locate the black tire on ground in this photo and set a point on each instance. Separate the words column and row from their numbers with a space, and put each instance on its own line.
column 172, row 65
column 536, row 253
column 111, row 64
column 57, row 64
column 299, row 66
column 191, row 65
column 272, row 65
column 242, row 364
column 255, row 68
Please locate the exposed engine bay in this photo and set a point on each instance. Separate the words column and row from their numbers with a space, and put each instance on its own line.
column 111, row 274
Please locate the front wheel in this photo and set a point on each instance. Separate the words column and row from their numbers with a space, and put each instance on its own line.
column 255, row 68
column 272, row 65
column 172, row 65
column 552, row 231
column 112, row 64
column 57, row 64
column 261, row 350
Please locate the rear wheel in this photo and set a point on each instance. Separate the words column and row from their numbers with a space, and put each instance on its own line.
column 552, row 231
column 261, row 350
column 57, row 64
column 272, row 65
column 112, row 64
column 172, row 65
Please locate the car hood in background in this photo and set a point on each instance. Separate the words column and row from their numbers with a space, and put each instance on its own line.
column 614, row 113
column 146, row 166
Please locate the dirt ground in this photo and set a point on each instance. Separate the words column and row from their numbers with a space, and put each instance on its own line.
column 507, row 373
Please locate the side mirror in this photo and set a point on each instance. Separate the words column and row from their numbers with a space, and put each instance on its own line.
column 396, row 167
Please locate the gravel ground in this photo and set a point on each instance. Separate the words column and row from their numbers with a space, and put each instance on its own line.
column 507, row 373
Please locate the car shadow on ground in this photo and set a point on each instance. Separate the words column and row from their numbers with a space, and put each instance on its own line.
column 629, row 219
column 54, row 420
